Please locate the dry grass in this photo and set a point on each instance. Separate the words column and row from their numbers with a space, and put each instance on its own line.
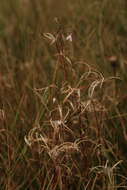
column 63, row 118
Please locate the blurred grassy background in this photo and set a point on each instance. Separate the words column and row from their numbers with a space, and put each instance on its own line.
column 98, row 27
column 99, row 30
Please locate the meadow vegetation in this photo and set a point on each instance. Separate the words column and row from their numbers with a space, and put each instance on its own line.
column 63, row 95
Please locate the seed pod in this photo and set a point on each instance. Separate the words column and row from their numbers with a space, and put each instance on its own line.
column 113, row 61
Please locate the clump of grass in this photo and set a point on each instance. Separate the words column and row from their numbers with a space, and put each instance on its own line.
column 71, row 136
column 72, row 115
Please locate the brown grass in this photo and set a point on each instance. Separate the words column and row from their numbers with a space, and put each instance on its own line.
column 63, row 95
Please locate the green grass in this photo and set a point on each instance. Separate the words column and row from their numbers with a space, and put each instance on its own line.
column 63, row 103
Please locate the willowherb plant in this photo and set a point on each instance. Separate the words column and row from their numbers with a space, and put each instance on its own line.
column 72, row 132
